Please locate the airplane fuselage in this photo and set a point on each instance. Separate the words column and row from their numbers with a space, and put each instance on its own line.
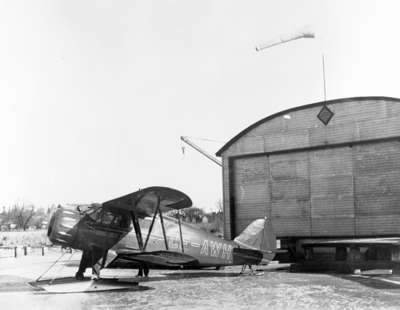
column 206, row 247
column 114, row 232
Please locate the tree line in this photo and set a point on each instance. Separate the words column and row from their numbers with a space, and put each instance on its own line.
column 22, row 217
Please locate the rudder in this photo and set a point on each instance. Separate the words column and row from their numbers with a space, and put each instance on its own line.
column 259, row 235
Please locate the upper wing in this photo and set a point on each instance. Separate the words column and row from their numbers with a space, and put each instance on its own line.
column 144, row 202
column 351, row 241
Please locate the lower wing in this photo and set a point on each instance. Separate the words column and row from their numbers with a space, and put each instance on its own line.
column 159, row 258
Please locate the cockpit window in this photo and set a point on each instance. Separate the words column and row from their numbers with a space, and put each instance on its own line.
column 95, row 214
column 88, row 208
column 109, row 218
column 125, row 221
column 117, row 220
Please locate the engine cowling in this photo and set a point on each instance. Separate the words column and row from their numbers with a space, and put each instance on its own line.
column 63, row 226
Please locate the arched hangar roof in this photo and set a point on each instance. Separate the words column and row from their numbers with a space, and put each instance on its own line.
column 303, row 107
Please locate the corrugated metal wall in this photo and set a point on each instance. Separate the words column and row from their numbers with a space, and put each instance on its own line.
column 251, row 189
column 290, row 193
column 332, row 200
column 377, row 188
column 340, row 191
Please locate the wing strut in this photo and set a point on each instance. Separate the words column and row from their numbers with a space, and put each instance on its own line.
column 180, row 231
column 152, row 223
column 163, row 229
column 138, row 231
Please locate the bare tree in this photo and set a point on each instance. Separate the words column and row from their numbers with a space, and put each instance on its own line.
column 23, row 216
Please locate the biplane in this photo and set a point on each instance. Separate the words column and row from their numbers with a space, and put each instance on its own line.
column 133, row 231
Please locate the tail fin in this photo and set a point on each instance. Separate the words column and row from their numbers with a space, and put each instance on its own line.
column 259, row 235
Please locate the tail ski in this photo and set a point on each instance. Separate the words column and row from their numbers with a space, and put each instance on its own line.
column 260, row 236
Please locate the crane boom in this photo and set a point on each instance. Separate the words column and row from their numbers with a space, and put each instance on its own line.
column 200, row 150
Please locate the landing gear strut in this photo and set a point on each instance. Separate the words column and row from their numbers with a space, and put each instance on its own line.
column 143, row 269
column 252, row 272
column 89, row 258
column 84, row 263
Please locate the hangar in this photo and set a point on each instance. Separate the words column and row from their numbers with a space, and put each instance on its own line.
column 327, row 169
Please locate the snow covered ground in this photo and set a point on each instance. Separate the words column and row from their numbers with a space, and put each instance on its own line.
column 275, row 288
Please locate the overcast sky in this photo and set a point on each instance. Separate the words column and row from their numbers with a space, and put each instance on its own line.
column 95, row 94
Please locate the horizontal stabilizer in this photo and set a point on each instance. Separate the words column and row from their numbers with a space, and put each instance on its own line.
column 246, row 256
column 160, row 258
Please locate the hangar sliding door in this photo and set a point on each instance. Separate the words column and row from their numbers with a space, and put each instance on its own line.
column 251, row 191
column 377, row 188
column 337, row 191
column 290, row 194
column 332, row 199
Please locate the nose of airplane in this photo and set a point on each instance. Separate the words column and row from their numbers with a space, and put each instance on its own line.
column 63, row 226
column 51, row 224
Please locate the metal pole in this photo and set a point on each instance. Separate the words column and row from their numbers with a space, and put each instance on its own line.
column 323, row 75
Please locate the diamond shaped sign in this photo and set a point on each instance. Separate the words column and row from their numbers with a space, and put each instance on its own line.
column 325, row 115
